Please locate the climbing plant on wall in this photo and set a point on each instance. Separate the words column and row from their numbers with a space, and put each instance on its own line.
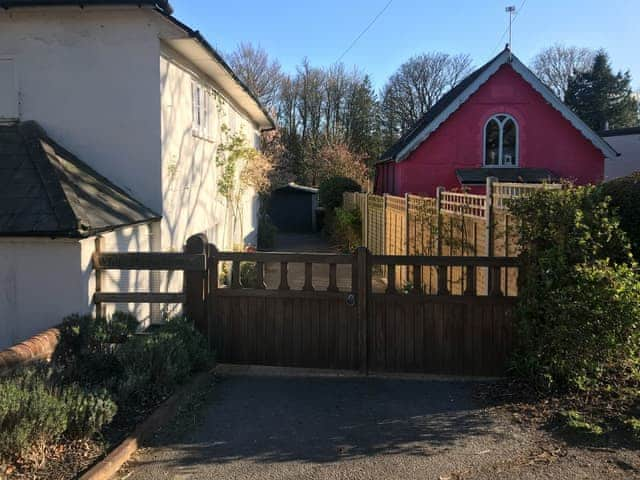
column 242, row 169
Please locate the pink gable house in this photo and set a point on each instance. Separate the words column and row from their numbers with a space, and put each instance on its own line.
column 500, row 121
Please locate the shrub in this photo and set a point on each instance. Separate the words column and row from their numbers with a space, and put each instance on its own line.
column 84, row 353
column 576, row 421
column 154, row 364
column 121, row 325
column 345, row 229
column 248, row 274
column 30, row 413
column 74, row 396
column 200, row 358
column 331, row 190
column 579, row 303
column 85, row 334
column 625, row 197
column 267, row 232
column 35, row 412
column 87, row 412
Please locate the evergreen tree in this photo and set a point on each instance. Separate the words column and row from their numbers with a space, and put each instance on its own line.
column 601, row 98
column 362, row 123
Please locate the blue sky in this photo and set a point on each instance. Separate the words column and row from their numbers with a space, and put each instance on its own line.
column 322, row 30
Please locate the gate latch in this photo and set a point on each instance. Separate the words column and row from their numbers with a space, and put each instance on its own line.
column 351, row 300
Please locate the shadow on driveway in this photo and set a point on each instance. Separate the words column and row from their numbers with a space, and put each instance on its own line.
column 252, row 427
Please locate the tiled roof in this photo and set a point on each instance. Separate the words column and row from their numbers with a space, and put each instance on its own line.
column 46, row 191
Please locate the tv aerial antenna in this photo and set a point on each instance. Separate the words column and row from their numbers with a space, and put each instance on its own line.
column 511, row 10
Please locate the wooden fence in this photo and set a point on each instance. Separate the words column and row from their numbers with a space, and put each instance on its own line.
column 336, row 311
column 451, row 224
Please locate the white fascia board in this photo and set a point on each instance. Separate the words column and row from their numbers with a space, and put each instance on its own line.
column 565, row 111
column 446, row 113
column 194, row 52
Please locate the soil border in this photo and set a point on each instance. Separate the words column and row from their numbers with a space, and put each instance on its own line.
column 111, row 463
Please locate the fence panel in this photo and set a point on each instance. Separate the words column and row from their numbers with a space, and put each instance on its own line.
column 375, row 224
column 452, row 224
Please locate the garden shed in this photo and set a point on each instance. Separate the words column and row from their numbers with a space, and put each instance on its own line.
column 292, row 208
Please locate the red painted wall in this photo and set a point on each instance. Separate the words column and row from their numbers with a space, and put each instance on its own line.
column 546, row 140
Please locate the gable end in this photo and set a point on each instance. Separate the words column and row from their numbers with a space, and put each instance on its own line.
column 406, row 145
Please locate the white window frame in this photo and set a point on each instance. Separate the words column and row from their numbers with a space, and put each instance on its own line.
column 501, row 124
column 202, row 111
column 196, row 110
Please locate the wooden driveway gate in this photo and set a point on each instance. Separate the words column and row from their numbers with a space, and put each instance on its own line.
column 336, row 311
column 351, row 312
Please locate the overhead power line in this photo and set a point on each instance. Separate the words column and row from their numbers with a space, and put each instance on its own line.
column 379, row 14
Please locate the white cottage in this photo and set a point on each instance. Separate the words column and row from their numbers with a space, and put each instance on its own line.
column 110, row 116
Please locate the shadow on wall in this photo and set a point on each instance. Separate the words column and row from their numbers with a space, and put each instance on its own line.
column 190, row 176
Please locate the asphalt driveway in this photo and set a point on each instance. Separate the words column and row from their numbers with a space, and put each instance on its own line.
column 294, row 427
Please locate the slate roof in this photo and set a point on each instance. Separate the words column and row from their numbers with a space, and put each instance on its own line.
column 161, row 4
column 477, row 176
column 439, row 113
column 46, row 191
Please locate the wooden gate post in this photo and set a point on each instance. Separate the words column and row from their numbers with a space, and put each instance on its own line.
column 384, row 224
column 196, row 286
column 213, row 274
column 489, row 227
column 365, row 221
column 439, row 191
column 363, row 291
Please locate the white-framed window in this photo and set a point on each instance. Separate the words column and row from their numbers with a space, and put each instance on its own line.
column 9, row 99
column 203, row 111
column 501, row 141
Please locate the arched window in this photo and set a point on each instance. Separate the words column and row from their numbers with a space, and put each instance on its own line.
column 501, row 141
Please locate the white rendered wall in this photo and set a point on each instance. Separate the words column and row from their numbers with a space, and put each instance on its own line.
column 191, row 200
column 137, row 238
column 40, row 283
column 89, row 76
column 44, row 280
column 628, row 146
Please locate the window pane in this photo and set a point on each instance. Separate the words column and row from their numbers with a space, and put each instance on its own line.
column 492, row 136
column 509, row 143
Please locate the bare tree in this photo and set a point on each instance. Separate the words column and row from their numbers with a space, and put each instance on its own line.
column 417, row 85
column 557, row 64
column 262, row 75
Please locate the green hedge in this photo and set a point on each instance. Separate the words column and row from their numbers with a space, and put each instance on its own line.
column 345, row 229
column 625, row 197
column 579, row 293
column 331, row 190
